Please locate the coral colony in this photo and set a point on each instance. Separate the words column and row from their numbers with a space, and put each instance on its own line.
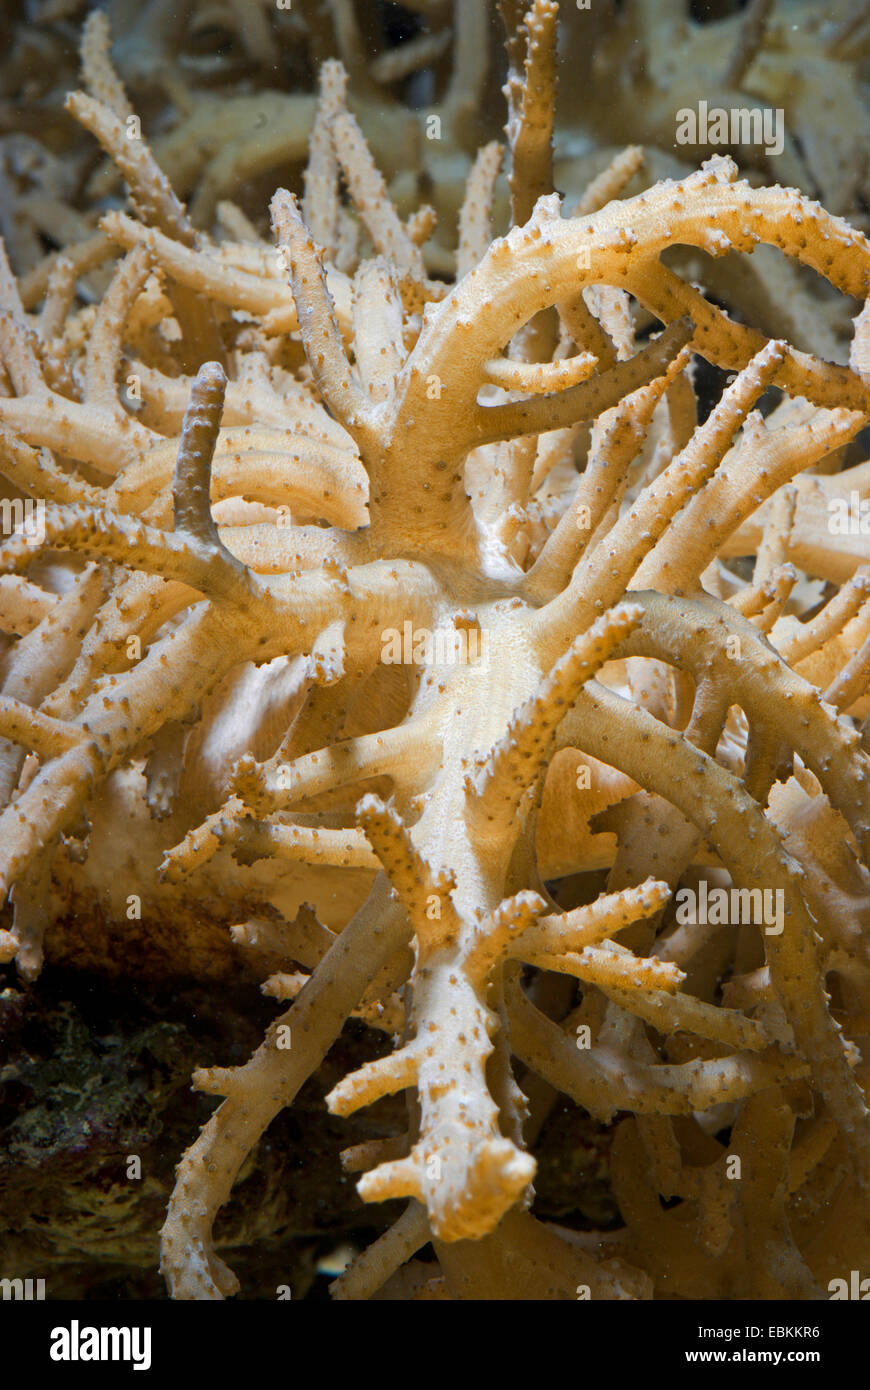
column 441, row 617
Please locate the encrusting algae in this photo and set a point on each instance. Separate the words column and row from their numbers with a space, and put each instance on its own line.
column 379, row 626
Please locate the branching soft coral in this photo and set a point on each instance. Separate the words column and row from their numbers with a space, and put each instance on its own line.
column 501, row 480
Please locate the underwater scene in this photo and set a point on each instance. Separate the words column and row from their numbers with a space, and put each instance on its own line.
column 435, row 651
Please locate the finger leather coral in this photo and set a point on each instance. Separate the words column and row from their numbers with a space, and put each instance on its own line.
column 406, row 618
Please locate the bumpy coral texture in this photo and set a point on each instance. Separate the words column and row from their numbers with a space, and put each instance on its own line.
column 374, row 603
